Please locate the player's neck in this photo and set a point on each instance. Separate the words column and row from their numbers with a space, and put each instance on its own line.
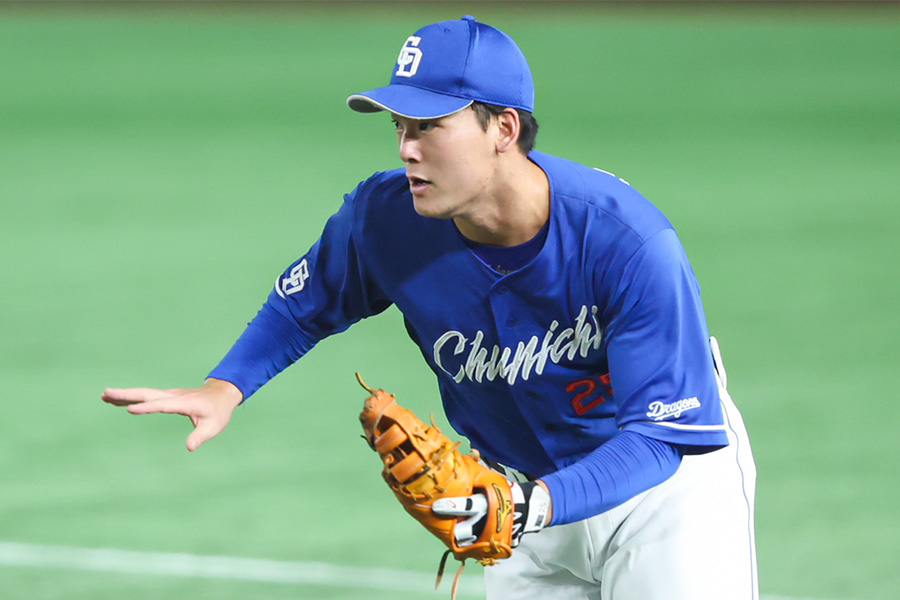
column 513, row 211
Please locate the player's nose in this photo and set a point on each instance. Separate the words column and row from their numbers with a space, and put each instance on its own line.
column 409, row 149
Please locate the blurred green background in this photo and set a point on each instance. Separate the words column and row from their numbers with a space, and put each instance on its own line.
column 161, row 164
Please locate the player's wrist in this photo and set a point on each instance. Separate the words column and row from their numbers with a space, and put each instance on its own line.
column 532, row 501
column 549, row 502
column 230, row 394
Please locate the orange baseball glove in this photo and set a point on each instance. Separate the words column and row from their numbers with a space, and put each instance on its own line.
column 422, row 465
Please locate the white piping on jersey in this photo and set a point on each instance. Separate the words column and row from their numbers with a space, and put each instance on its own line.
column 585, row 335
column 688, row 427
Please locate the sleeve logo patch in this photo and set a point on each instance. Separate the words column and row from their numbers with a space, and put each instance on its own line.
column 295, row 281
column 661, row 410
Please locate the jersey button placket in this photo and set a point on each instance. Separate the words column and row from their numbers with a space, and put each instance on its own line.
column 502, row 306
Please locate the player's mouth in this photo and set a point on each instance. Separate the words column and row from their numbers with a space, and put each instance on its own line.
column 417, row 185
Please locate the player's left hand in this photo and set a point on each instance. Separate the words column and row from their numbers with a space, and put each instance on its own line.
column 209, row 406
column 532, row 512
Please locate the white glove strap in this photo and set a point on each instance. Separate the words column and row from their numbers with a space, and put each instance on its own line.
column 538, row 509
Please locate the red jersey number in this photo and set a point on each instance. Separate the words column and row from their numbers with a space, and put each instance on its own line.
column 588, row 395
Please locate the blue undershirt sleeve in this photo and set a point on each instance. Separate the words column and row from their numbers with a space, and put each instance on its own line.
column 270, row 343
column 623, row 467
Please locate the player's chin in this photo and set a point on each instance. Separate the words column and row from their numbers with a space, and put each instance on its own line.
column 429, row 205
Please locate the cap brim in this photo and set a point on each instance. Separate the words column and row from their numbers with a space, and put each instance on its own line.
column 407, row 101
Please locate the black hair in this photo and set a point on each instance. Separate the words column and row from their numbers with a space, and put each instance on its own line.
column 529, row 125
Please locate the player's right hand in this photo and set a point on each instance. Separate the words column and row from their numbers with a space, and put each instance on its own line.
column 209, row 407
column 532, row 512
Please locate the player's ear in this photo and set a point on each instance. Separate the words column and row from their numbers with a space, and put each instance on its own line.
column 508, row 126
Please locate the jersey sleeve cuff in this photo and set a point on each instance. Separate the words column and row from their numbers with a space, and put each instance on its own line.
column 703, row 437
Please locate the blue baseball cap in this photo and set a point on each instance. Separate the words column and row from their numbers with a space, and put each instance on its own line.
column 446, row 66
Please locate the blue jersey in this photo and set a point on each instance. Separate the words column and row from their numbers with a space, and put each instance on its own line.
column 602, row 331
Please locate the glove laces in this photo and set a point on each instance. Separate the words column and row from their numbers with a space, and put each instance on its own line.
column 440, row 574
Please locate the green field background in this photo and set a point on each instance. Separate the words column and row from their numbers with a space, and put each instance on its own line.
column 160, row 165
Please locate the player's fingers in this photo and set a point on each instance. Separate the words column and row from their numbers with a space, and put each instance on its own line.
column 118, row 401
column 179, row 405
column 205, row 430
column 460, row 507
column 468, row 530
column 127, row 396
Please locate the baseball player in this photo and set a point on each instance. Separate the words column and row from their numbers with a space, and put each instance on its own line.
column 560, row 314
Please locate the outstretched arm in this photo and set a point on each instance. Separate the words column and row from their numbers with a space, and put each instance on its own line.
column 209, row 407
